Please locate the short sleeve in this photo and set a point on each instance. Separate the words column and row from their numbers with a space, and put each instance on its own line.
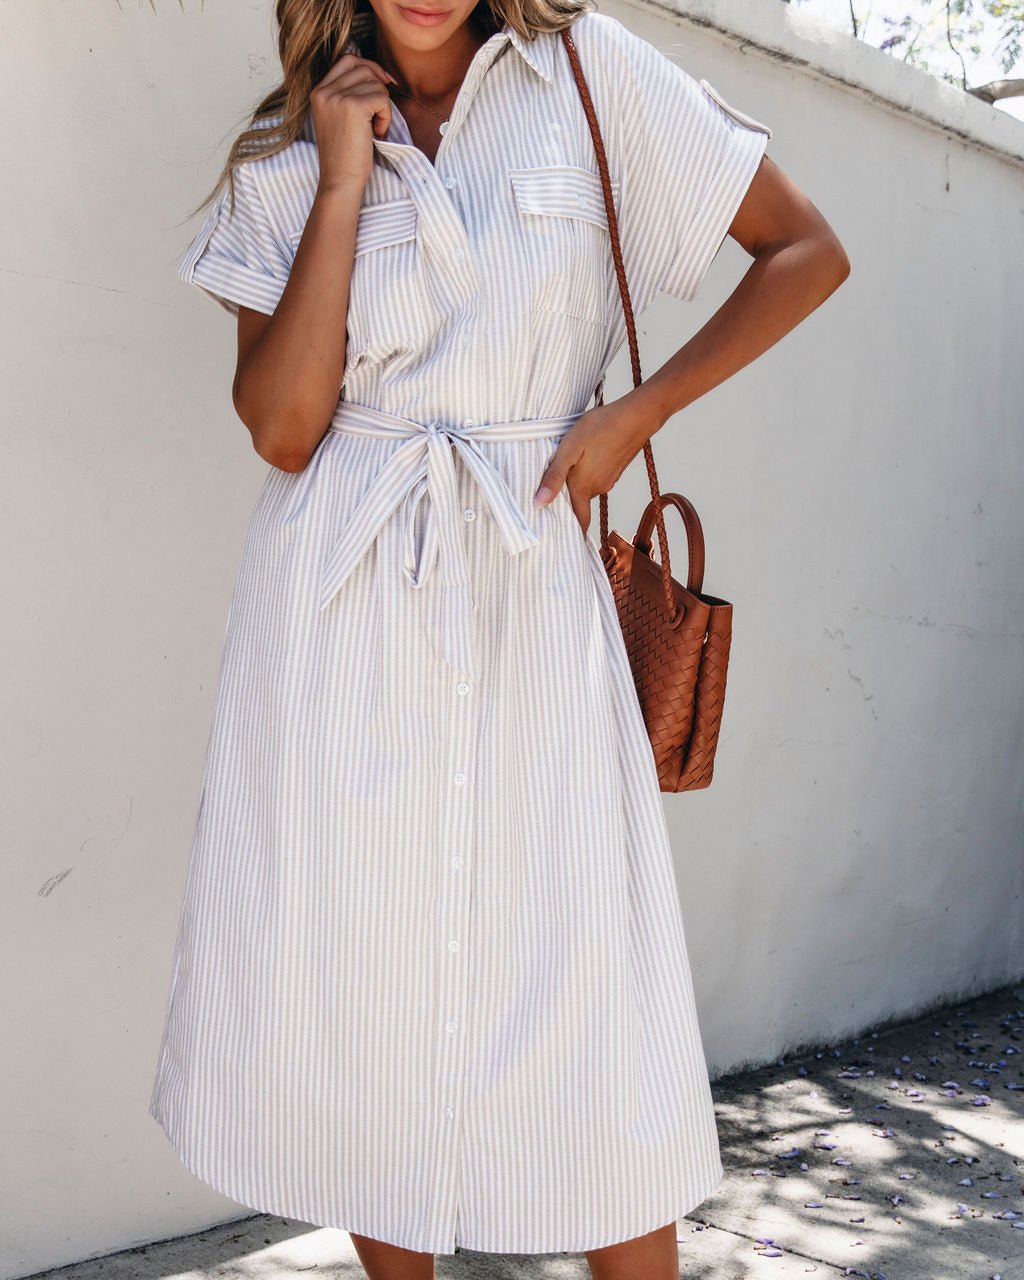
column 688, row 159
column 236, row 257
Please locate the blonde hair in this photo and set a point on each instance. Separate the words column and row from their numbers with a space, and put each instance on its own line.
column 311, row 36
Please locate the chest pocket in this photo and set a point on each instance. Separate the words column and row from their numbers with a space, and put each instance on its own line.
column 386, row 310
column 564, row 234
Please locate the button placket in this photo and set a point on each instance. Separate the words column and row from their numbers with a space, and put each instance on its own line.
column 468, row 515
column 456, row 807
column 440, row 226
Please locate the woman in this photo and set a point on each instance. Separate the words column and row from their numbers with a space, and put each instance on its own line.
column 430, row 983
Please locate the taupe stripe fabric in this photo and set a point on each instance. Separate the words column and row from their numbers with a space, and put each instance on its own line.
column 430, row 982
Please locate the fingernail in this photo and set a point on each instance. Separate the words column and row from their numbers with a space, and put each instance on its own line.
column 541, row 496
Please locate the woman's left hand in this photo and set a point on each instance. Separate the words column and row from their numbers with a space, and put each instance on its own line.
column 595, row 451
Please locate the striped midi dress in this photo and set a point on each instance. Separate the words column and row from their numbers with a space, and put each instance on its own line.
column 430, row 981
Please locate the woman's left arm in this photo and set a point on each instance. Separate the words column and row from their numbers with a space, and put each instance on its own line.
column 798, row 262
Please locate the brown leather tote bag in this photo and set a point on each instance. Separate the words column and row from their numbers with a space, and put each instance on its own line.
column 677, row 637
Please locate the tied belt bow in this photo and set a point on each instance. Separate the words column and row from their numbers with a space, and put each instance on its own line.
column 422, row 469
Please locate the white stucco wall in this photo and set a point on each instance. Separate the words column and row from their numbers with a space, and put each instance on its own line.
column 858, row 856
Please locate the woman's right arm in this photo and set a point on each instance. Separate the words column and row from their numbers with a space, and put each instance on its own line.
column 290, row 364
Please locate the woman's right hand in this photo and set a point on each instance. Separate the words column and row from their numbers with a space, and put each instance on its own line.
column 350, row 97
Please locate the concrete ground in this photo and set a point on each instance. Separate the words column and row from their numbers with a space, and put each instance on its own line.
column 895, row 1156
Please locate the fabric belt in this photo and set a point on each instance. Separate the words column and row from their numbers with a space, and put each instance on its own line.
column 424, row 468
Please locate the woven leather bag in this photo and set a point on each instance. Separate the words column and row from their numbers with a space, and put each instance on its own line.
column 677, row 637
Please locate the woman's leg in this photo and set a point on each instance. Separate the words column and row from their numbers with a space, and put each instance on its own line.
column 390, row 1262
column 654, row 1256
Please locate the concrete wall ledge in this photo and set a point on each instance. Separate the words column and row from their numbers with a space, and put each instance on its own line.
column 777, row 30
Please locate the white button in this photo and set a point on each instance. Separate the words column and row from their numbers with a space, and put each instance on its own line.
column 468, row 514
column 462, row 687
column 459, row 779
column 469, row 422
column 467, row 338
column 449, row 183
column 579, row 199
column 449, row 1112
column 456, row 861
column 450, row 1028
column 459, row 256
column 453, row 945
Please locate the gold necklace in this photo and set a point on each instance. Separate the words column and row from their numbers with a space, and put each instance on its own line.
column 403, row 93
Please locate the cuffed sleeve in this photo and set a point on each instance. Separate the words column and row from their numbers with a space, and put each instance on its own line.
column 688, row 159
column 236, row 257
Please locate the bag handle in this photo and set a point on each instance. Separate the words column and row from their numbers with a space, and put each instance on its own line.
column 694, row 536
column 620, row 272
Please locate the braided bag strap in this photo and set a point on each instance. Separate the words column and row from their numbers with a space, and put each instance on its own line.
column 627, row 306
